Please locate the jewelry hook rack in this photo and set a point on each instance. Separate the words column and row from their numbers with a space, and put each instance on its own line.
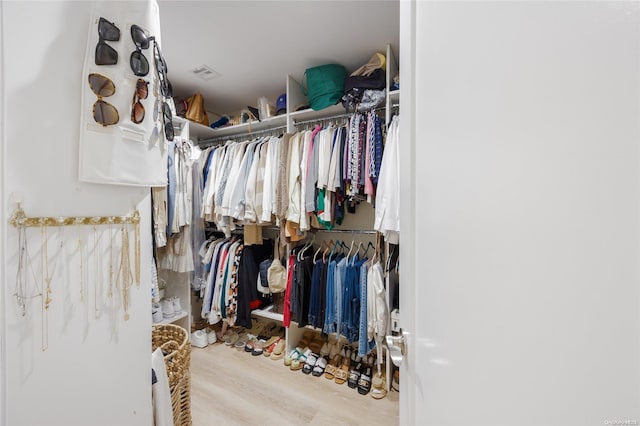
column 20, row 219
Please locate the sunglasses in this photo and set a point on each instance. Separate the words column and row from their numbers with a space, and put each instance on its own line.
column 167, row 118
column 137, row 109
column 137, row 60
column 105, row 54
column 103, row 112
column 161, row 68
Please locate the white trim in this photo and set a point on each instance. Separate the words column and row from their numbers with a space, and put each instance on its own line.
column 408, row 247
column 3, row 228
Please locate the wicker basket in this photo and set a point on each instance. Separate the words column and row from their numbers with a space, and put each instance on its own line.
column 174, row 342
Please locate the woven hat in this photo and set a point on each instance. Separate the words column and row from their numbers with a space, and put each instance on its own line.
column 378, row 60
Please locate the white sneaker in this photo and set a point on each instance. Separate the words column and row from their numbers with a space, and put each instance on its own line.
column 211, row 335
column 156, row 312
column 167, row 308
column 199, row 339
column 176, row 305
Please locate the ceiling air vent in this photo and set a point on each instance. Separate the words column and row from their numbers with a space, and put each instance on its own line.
column 205, row 72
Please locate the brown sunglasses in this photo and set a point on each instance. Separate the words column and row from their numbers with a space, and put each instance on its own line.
column 137, row 109
column 103, row 112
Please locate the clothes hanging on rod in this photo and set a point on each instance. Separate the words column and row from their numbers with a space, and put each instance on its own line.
column 301, row 181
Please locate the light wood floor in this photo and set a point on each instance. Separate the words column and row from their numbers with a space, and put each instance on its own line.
column 229, row 387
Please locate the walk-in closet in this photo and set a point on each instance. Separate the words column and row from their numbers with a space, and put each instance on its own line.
column 319, row 212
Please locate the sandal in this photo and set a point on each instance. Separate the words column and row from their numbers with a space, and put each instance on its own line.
column 354, row 376
column 364, row 383
column 278, row 351
column 379, row 385
column 258, row 348
column 269, row 347
column 295, row 353
column 330, row 370
column 320, row 366
column 297, row 364
column 308, row 366
column 230, row 339
column 241, row 341
column 342, row 373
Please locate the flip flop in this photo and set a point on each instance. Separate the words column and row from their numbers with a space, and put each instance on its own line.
column 270, row 345
column 320, row 366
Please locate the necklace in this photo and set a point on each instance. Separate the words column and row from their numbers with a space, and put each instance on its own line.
column 81, row 266
column 125, row 272
column 97, row 275
column 22, row 281
column 110, row 293
column 137, row 253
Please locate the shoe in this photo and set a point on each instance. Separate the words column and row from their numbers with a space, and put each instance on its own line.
column 167, row 308
column 364, row 382
column 319, row 368
column 211, row 335
column 156, row 312
column 310, row 363
column 354, row 376
column 278, row 351
column 176, row 305
column 199, row 339
column 379, row 386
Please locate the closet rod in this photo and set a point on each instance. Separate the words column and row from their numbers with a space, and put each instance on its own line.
column 336, row 231
column 19, row 219
column 244, row 135
column 333, row 117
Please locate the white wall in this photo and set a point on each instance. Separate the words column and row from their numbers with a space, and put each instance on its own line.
column 95, row 371
column 527, row 226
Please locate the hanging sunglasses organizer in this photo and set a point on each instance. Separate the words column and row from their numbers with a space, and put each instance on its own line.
column 127, row 109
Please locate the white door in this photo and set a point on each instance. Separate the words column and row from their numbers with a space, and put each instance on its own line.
column 520, row 237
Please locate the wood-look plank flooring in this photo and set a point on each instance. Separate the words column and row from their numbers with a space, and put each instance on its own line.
column 229, row 387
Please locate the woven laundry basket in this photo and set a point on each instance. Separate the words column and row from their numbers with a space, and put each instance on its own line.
column 174, row 342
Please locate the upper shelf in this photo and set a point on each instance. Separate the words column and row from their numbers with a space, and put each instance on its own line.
column 267, row 123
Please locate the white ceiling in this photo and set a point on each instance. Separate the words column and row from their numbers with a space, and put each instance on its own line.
column 255, row 44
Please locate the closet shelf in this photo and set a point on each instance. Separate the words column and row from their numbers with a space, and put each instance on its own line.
column 174, row 318
column 196, row 131
column 248, row 128
column 310, row 114
column 394, row 96
column 268, row 313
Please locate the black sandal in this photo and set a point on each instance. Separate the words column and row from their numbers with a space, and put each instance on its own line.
column 364, row 383
column 354, row 376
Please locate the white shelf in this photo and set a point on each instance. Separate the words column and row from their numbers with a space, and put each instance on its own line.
column 268, row 313
column 248, row 128
column 310, row 114
column 394, row 96
column 196, row 131
column 174, row 318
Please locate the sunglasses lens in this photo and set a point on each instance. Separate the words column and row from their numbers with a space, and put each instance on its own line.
column 137, row 113
column 139, row 37
column 168, row 130
column 104, row 113
column 166, row 111
column 108, row 31
column 139, row 64
column 142, row 89
column 105, row 54
column 101, row 85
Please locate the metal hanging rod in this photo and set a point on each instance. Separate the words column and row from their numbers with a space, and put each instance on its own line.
column 19, row 219
column 333, row 117
column 244, row 135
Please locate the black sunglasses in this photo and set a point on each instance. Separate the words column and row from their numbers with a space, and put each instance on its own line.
column 105, row 54
column 104, row 113
column 167, row 117
column 137, row 60
column 161, row 68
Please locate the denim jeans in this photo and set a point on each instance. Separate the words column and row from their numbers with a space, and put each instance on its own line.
column 330, row 314
column 314, row 302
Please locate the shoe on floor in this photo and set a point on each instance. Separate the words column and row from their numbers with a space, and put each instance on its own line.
column 199, row 339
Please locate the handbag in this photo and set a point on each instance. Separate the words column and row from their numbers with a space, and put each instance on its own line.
column 325, row 85
column 277, row 273
column 196, row 111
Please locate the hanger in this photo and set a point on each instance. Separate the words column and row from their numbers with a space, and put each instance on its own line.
column 370, row 245
column 350, row 250
column 324, row 254
column 306, row 247
column 315, row 256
